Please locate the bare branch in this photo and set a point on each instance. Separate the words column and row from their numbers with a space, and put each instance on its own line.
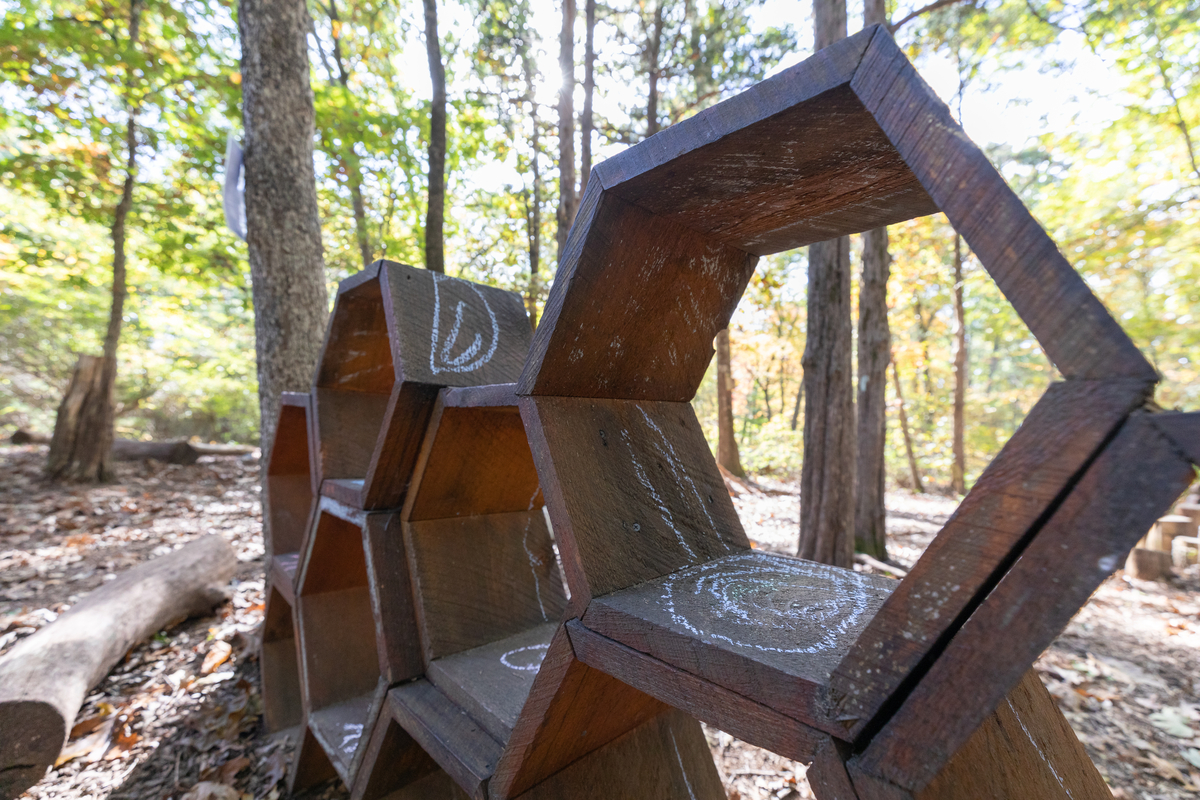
column 934, row 6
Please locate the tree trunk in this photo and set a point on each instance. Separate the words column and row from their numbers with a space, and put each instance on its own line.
column 589, row 90
column 435, row 258
column 81, row 449
column 874, row 349
column 796, row 405
column 653, row 52
column 566, row 125
column 45, row 677
column 827, row 474
column 908, row 445
column 727, row 449
column 958, row 482
column 287, row 269
column 350, row 165
column 533, row 211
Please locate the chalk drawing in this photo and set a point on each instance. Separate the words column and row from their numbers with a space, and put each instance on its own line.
column 682, row 771
column 1041, row 755
column 469, row 359
column 350, row 740
column 529, row 662
column 753, row 597
column 663, row 511
column 534, row 563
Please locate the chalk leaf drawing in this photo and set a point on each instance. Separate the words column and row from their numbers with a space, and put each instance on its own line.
column 770, row 603
column 525, row 659
column 475, row 354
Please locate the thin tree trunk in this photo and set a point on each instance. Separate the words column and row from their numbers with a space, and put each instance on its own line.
column 654, row 51
column 566, row 125
column 958, row 482
column 727, row 449
column 827, row 474
column 874, row 348
column 435, row 258
column 350, row 165
column 796, row 406
column 589, row 90
column 908, row 445
column 287, row 268
column 81, row 449
column 533, row 212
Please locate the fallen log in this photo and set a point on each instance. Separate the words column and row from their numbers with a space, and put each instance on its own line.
column 168, row 452
column 22, row 436
column 45, row 677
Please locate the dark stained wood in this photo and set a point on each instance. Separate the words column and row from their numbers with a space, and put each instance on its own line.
column 1148, row 565
column 666, row 758
column 1029, row 475
column 348, row 427
column 490, row 395
column 1025, row 748
column 638, row 277
column 827, row 774
column 279, row 662
column 392, row 763
column 476, row 460
column 638, row 492
column 310, row 766
column 357, row 356
column 289, row 476
column 347, row 491
column 572, row 711
column 1078, row 334
column 1183, row 429
column 492, row 682
column 768, row 627
column 342, row 730
column 391, row 466
column 752, row 722
column 1133, row 481
column 281, row 574
column 447, row 734
column 392, row 599
column 480, row 579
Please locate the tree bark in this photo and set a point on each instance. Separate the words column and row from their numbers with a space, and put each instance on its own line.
column 287, row 269
column 796, row 405
column 566, row 125
column 81, row 447
column 908, row 445
column 727, row 449
column 958, row 468
column 435, row 258
column 589, row 90
column 827, row 474
column 45, row 677
column 874, row 349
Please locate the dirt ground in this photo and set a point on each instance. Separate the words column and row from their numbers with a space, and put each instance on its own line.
column 180, row 716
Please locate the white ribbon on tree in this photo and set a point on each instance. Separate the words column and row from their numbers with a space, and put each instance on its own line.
column 235, row 192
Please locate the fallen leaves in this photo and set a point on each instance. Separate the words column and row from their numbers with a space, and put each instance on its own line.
column 1173, row 721
column 217, row 655
column 210, row 790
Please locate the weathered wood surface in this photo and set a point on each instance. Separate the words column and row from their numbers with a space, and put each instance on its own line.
column 1004, row 507
column 638, row 492
column 279, row 664
column 1148, row 565
column 45, row 677
column 770, row 628
column 281, row 574
column 310, row 765
column 1136, row 477
column 395, row 767
column 405, row 421
column 342, row 730
column 290, row 481
column 480, row 579
column 392, row 605
column 1183, row 429
column 447, row 734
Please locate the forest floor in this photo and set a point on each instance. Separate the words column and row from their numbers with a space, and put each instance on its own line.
column 180, row 716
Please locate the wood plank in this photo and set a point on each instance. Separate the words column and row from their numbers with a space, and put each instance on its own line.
column 666, row 758
column 639, row 278
column 337, row 645
column 392, row 604
column 1133, row 481
column 476, row 461
column 403, row 428
column 348, row 427
column 749, row 721
column 281, row 574
column 1026, row 479
column 289, row 477
column 480, row 579
column 492, row 682
column 347, row 491
column 770, row 628
column 342, row 729
column 310, row 766
column 392, row 763
column 1183, row 429
column 1025, row 748
column 827, row 775
column 279, row 662
column 488, row 396
column 447, row 734
column 357, row 354
column 636, row 493
column 1071, row 324
column 572, row 710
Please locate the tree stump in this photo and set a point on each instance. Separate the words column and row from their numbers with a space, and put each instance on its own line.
column 81, row 448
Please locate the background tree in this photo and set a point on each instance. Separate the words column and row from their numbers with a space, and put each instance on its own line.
column 435, row 258
column 567, row 200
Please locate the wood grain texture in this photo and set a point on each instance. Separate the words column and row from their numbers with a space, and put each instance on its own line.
column 666, row 758
column 572, row 710
column 357, row 355
column 480, row 579
column 749, row 721
column 827, row 775
column 642, row 305
column 342, row 730
column 492, row 682
column 401, row 432
column 447, row 734
column 633, row 490
column 347, row 491
column 1026, row 479
column 281, row 574
column 310, row 766
column 1133, row 481
column 392, row 763
column 348, row 427
column 1182, row 429
column 289, row 477
column 476, row 460
column 392, row 603
column 1071, row 324
column 770, row 628
column 1025, row 748
column 279, row 665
